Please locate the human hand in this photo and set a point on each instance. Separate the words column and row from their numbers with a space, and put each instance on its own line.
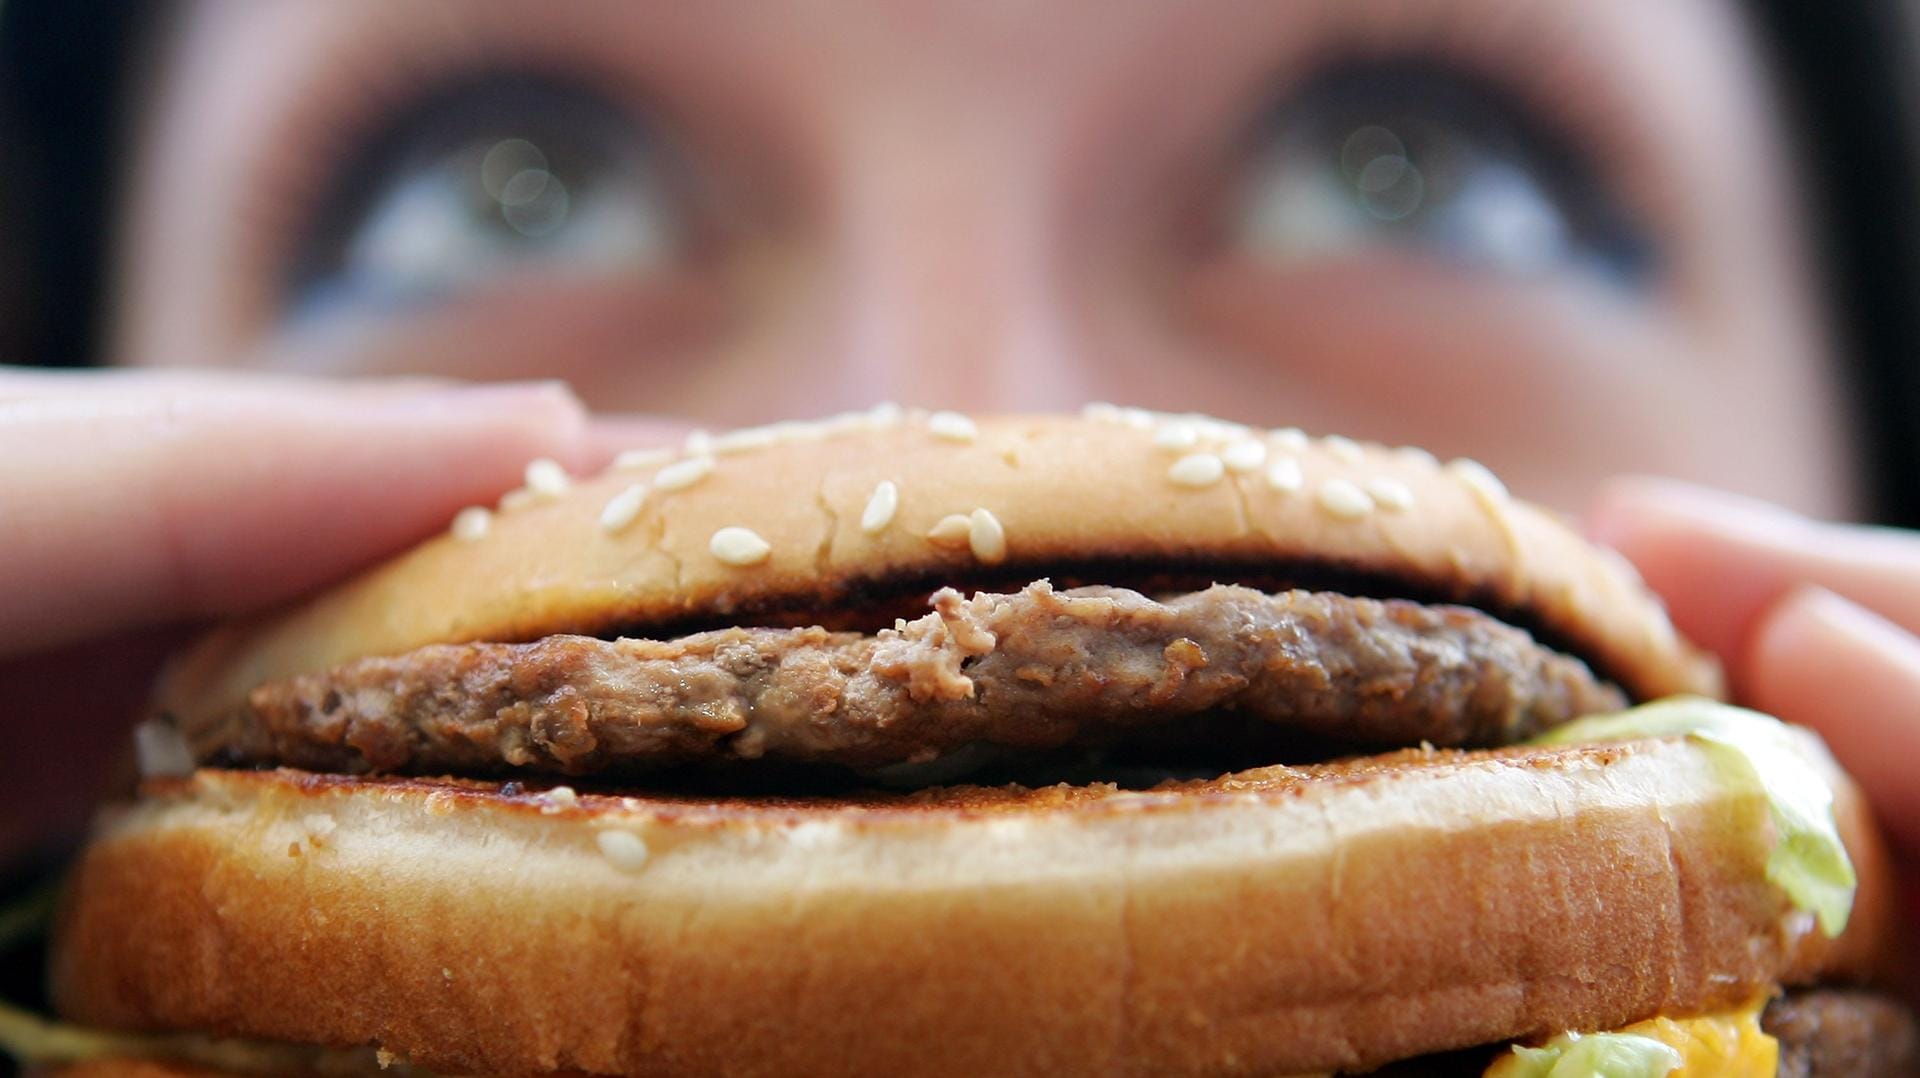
column 1815, row 622
column 134, row 505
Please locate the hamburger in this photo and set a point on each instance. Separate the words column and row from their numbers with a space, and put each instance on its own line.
column 909, row 743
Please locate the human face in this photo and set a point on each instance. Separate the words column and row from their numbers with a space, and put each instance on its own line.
column 1558, row 237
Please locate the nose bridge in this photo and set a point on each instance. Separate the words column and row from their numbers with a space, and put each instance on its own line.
column 949, row 258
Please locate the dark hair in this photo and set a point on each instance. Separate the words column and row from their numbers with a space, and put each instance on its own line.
column 1844, row 70
column 64, row 66
column 1849, row 83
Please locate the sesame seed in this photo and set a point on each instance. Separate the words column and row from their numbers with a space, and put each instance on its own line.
column 1197, row 470
column 547, row 479
column 885, row 414
column 986, row 537
column 1138, row 418
column 698, row 444
column 739, row 441
column 625, row 850
column 842, row 422
column 1244, row 455
column 1292, row 439
column 1478, row 479
column 1619, row 566
column 1101, row 412
column 517, row 498
column 560, row 797
column 633, row 460
column 1416, row 456
column 739, row 546
column 1345, row 450
column 470, row 525
column 1284, row 474
column 1343, row 500
column 623, row 509
column 952, row 530
column 1176, row 436
column 788, row 431
column 881, row 506
column 1390, row 493
column 682, row 474
column 1220, row 430
column 952, row 426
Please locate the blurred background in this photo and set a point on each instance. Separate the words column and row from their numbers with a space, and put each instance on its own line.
column 1569, row 239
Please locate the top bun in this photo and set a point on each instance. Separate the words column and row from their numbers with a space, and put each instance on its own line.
column 864, row 511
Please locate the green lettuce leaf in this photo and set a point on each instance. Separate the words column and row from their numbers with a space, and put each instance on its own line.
column 1808, row 863
column 1595, row 1055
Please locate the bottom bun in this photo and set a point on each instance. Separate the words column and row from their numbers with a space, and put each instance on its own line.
column 1272, row 922
column 1813, row 1033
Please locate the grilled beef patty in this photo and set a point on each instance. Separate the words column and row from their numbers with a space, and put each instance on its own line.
column 1033, row 670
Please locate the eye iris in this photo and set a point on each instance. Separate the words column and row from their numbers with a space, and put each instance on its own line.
column 1406, row 154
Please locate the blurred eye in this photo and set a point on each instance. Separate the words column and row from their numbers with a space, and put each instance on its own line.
column 486, row 179
column 1410, row 155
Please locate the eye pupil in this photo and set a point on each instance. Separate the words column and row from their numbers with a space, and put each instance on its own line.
column 1390, row 188
column 517, row 188
column 1367, row 145
column 505, row 162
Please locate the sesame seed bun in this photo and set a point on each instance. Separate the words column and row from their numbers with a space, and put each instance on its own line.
column 1066, row 496
column 1286, row 919
column 1274, row 922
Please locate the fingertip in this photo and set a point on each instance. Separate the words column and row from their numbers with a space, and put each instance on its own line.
column 1717, row 559
column 487, row 433
column 546, row 405
column 1812, row 623
column 1623, row 505
column 1825, row 662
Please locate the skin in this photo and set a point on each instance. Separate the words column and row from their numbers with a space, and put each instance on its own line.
column 982, row 207
column 997, row 207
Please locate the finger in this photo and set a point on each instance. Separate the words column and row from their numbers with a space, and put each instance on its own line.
column 1830, row 664
column 120, row 509
column 1720, row 560
column 20, row 383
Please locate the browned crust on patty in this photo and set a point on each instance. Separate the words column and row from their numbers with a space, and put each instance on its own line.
column 1380, row 910
column 1037, row 669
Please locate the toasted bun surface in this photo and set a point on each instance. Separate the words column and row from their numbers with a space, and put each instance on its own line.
column 1069, row 494
column 1273, row 922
